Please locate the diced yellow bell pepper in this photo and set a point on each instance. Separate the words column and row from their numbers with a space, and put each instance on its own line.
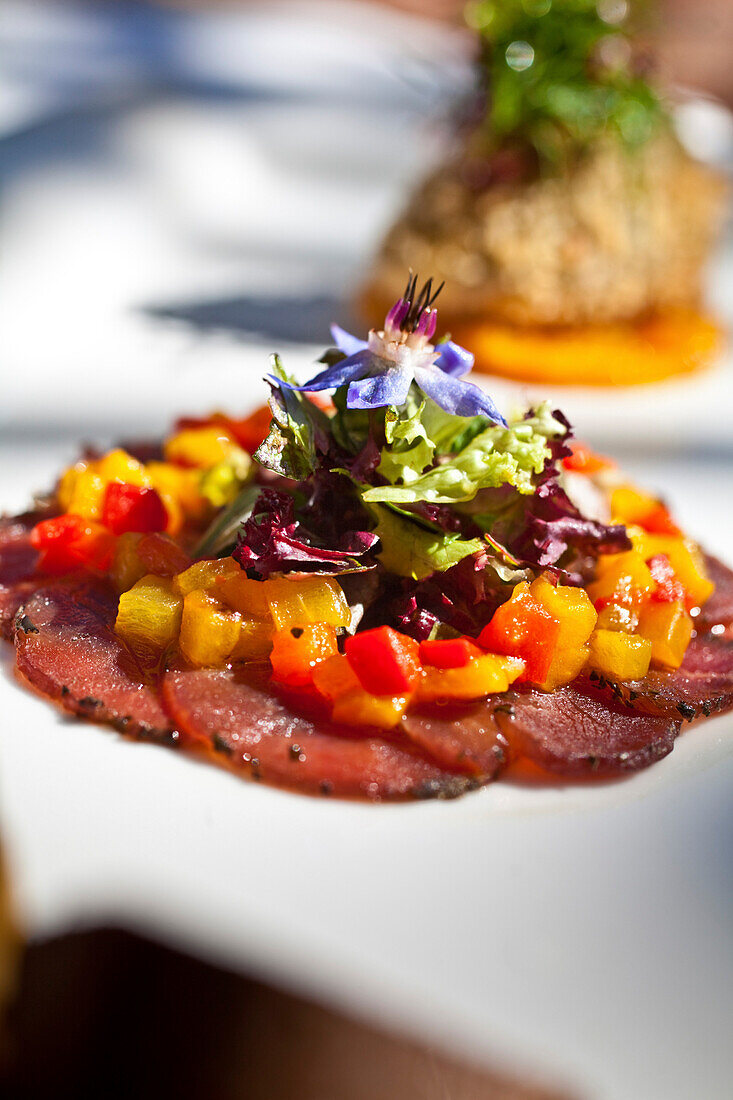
column 669, row 629
column 205, row 574
column 685, row 558
column 618, row 617
column 630, row 505
column 223, row 482
column 335, row 677
column 484, row 675
column 241, row 593
column 81, row 491
column 572, row 608
column 201, row 447
column 619, row 656
column 359, row 708
column 255, row 640
column 302, row 600
column 149, row 614
column 623, row 579
column 209, row 631
column 118, row 465
column 127, row 568
column 296, row 653
column 181, row 483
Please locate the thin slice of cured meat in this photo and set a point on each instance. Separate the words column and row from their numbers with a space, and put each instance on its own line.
column 17, row 565
column 702, row 686
column 67, row 650
column 255, row 730
column 568, row 732
column 717, row 612
column 468, row 739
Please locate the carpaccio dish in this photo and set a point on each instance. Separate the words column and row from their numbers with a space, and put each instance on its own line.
column 377, row 587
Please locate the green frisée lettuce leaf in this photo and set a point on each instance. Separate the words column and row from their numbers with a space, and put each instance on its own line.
column 290, row 448
column 496, row 456
column 450, row 433
column 410, row 549
column 409, row 449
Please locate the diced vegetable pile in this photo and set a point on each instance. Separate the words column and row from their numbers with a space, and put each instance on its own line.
column 402, row 546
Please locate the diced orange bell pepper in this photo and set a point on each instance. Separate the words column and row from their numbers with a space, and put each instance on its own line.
column 132, row 508
column 209, row 631
column 631, row 505
column 483, row 675
column 149, row 615
column 684, row 557
column 623, row 579
column 585, row 461
column 619, row 656
column 335, row 677
column 572, row 608
column 296, row 652
column 668, row 587
column 251, row 430
column 659, row 522
column 200, row 447
column 361, row 708
column 69, row 542
column 182, row 485
column 385, row 662
column 669, row 629
column 448, row 652
column 248, row 431
column 521, row 627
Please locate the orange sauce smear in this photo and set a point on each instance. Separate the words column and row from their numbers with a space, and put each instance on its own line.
column 674, row 343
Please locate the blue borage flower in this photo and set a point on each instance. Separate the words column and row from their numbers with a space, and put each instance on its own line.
column 380, row 370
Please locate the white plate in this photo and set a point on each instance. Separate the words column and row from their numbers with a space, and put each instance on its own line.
column 550, row 929
column 582, row 932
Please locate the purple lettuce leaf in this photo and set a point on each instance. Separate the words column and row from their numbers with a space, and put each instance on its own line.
column 273, row 540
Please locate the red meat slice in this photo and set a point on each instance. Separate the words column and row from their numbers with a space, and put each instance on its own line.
column 17, row 564
column 468, row 740
column 574, row 734
column 258, row 731
column 717, row 612
column 700, row 687
column 67, row 650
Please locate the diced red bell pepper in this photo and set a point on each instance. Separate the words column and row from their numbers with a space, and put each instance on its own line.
column 668, row 588
column 659, row 522
column 67, row 542
column 322, row 401
column 250, row 431
column 449, row 652
column 385, row 662
column 132, row 508
column 521, row 627
column 585, row 461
